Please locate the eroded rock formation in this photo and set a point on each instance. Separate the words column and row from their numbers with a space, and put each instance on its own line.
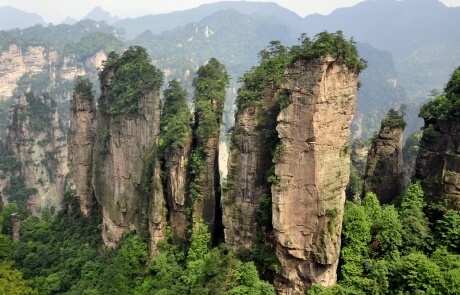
column 384, row 161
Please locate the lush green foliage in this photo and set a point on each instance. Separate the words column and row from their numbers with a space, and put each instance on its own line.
column 133, row 76
column 389, row 250
column 210, row 85
column 176, row 119
column 447, row 105
column 276, row 58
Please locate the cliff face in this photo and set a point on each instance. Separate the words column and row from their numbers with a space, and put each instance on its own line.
column 80, row 140
column 438, row 162
column 384, row 164
column 38, row 144
column 313, row 171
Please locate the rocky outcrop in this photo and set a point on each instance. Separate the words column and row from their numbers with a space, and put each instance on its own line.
column 80, row 140
column 38, row 143
column 312, row 168
column 438, row 162
column 384, row 161
column 210, row 93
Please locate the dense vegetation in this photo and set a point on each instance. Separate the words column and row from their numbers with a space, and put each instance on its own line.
column 133, row 76
column 276, row 58
column 59, row 255
column 395, row 249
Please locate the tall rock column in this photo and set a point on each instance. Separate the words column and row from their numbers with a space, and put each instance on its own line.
column 126, row 176
column 384, row 161
column 175, row 146
column 312, row 168
column 210, row 91
column 289, row 162
column 80, row 141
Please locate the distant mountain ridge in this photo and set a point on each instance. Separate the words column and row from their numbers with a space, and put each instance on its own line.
column 11, row 18
column 162, row 22
column 98, row 14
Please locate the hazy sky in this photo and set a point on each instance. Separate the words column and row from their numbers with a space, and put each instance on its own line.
column 57, row 10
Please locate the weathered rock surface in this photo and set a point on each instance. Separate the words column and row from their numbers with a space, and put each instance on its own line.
column 384, row 164
column 249, row 162
column 124, row 159
column 80, row 139
column 176, row 169
column 313, row 171
column 438, row 162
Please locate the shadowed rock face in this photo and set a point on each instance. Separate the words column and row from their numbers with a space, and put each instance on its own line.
column 438, row 163
column 384, row 165
column 311, row 167
column 38, row 144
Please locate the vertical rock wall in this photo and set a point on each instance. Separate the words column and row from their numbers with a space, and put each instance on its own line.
column 313, row 170
column 176, row 169
column 124, row 151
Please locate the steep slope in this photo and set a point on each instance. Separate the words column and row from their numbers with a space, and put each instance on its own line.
column 310, row 91
column 126, row 176
column 383, row 174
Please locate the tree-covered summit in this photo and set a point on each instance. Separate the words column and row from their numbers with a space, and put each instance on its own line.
column 133, row 76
